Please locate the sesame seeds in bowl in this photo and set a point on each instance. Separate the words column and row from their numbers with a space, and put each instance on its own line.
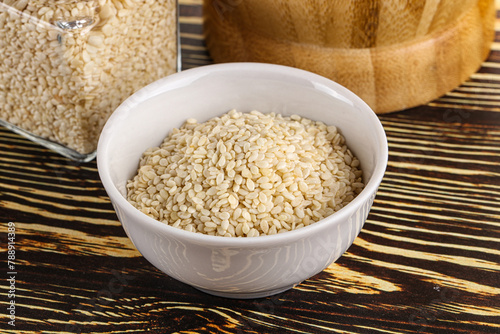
column 246, row 175
column 304, row 135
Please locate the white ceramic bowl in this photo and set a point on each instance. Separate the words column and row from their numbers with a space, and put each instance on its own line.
column 239, row 267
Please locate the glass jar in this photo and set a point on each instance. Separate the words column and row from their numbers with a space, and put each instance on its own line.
column 65, row 65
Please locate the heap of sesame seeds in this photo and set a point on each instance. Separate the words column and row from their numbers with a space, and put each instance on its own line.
column 246, row 174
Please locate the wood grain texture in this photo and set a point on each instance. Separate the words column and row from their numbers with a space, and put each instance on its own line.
column 426, row 261
column 394, row 54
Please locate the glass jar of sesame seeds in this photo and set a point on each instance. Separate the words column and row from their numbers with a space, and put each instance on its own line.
column 65, row 65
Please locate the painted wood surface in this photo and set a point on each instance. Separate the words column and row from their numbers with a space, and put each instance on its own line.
column 426, row 261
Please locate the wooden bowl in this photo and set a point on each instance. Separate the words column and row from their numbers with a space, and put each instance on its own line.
column 394, row 54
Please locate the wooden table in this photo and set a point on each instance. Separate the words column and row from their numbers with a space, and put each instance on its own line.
column 426, row 261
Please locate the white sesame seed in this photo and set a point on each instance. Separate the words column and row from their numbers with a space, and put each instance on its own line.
column 246, row 215
column 236, row 213
column 250, row 185
column 220, row 178
column 261, row 208
column 303, row 187
column 262, row 164
column 233, row 201
column 266, row 186
column 245, row 228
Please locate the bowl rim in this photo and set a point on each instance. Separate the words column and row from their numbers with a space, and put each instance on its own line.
column 185, row 77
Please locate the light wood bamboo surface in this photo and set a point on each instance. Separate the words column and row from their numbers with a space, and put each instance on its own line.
column 395, row 54
column 426, row 261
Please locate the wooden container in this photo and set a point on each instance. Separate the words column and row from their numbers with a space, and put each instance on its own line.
column 395, row 54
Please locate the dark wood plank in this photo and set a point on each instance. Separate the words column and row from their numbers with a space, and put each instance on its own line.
column 427, row 260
